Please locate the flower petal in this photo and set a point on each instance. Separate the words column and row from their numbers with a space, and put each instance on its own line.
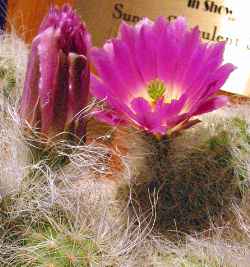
column 146, row 118
column 145, row 53
column 48, row 51
column 97, row 88
column 104, row 64
column 59, row 108
column 211, row 105
column 79, row 76
column 29, row 101
column 111, row 117
column 219, row 78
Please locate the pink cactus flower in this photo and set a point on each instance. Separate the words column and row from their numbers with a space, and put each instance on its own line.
column 158, row 76
column 56, row 87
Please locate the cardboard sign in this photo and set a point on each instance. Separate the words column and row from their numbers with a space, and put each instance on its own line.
column 218, row 20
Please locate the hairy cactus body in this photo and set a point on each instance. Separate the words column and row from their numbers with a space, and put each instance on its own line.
column 195, row 177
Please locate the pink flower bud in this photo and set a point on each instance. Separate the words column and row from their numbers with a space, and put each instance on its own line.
column 56, row 87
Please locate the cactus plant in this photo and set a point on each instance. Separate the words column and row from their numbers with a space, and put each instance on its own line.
column 58, row 246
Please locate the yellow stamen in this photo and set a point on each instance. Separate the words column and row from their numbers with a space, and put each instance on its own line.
column 156, row 89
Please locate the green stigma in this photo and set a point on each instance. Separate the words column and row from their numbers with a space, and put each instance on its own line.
column 156, row 89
